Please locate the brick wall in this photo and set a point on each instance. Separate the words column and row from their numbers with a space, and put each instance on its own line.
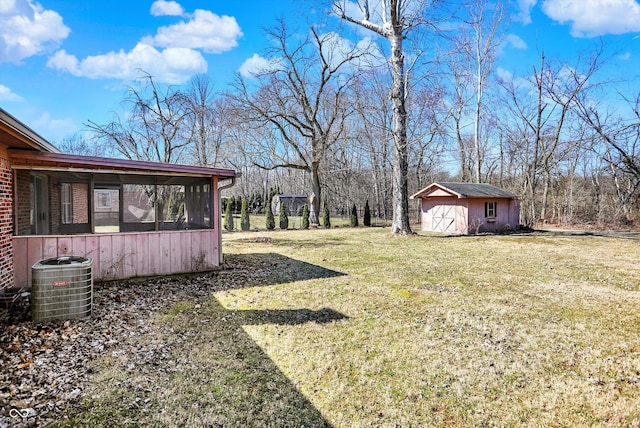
column 23, row 202
column 80, row 203
column 55, row 210
column 6, row 221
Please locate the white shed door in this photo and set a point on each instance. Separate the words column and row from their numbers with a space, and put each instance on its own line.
column 444, row 219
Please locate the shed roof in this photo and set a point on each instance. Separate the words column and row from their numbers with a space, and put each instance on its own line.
column 465, row 190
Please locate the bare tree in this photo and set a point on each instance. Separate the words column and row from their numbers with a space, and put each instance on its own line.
column 373, row 137
column 151, row 130
column 469, row 63
column 544, row 104
column 486, row 22
column 394, row 20
column 620, row 146
column 207, row 121
column 78, row 145
column 301, row 100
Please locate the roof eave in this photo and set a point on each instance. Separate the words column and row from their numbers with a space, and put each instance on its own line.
column 26, row 134
column 24, row 159
column 428, row 189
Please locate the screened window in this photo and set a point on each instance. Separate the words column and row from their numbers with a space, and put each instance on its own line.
column 74, row 207
column 66, row 204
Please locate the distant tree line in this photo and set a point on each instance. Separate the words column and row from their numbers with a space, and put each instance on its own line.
column 322, row 121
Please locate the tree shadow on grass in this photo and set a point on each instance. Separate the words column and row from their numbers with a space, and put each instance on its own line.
column 287, row 316
column 618, row 234
column 273, row 269
column 199, row 367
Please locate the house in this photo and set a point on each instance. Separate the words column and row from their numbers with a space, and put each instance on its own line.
column 133, row 218
column 294, row 204
column 465, row 208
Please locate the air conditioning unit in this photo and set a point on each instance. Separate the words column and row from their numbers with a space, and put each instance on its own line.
column 62, row 288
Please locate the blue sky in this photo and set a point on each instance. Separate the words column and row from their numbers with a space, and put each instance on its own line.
column 64, row 62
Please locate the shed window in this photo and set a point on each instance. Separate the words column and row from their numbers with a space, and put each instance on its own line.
column 490, row 209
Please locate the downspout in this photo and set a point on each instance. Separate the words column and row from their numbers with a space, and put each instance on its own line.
column 220, row 189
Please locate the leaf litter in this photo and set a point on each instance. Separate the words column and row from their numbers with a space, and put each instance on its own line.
column 46, row 368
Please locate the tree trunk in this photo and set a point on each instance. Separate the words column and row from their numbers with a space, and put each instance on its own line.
column 314, row 200
column 476, row 125
column 545, row 196
column 400, row 160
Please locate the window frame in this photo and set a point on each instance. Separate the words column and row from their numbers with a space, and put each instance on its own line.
column 491, row 210
column 100, row 193
column 66, row 203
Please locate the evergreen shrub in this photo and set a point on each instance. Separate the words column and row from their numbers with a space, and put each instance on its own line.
column 244, row 216
column 304, row 224
column 283, row 219
column 354, row 216
column 326, row 221
column 366, row 219
column 228, row 216
column 270, row 220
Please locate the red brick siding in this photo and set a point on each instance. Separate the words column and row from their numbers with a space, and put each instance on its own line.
column 55, row 213
column 6, row 221
column 80, row 203
column 23, row 202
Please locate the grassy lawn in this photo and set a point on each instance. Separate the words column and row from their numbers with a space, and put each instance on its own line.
column 352, row 327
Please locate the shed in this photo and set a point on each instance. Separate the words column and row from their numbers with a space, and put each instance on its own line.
column 133, row 218
column 294, row 204
column 465, row 208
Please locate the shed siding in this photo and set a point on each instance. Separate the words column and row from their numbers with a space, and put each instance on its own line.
column 467, row 215
column 456, row 212
column 122, row 255
column 478, row 221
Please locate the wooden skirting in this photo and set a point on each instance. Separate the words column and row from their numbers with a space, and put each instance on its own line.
column 121, row 255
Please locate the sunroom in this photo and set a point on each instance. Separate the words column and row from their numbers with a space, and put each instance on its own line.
column 132, row 218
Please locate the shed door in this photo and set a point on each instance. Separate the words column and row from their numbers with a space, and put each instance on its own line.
column 444, row 219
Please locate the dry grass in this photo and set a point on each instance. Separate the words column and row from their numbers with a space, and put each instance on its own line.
column 356, row 328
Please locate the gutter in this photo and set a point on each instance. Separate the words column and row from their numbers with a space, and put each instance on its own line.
column 220, row 189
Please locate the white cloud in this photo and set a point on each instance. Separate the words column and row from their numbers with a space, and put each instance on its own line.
column 27, row 29
column 504, row 75
column 172, row 65
column 257, row 64
column 516, row 42
column 166, row 8
column 7, row 95
column 591, row 18
column 626, row 56
column 524, row 12
column 54, row 129
column 205, row 30
column 171, row 56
